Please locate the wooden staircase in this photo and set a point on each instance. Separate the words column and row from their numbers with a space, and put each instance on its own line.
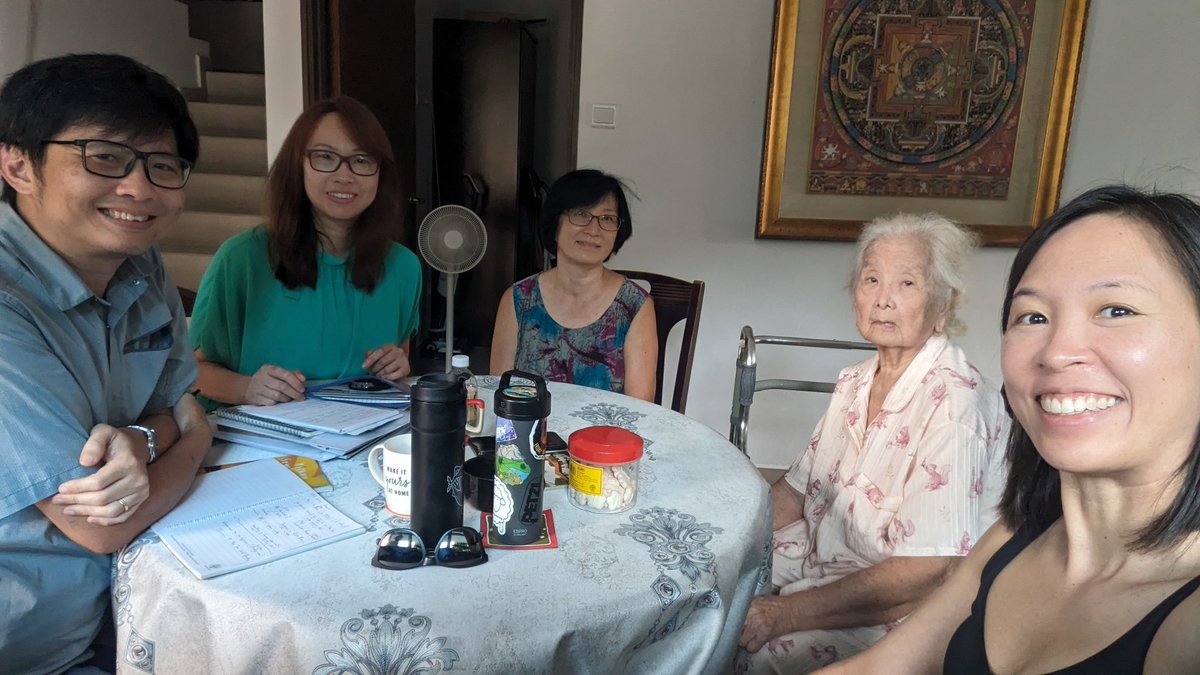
column 226, row 191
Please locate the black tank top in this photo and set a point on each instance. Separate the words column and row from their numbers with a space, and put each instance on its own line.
column 966, row 652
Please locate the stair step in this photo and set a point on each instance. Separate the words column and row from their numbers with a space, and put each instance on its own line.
column 230, row 119
column 226, row 193
column 205, row 231
column 194, row 94
column 242, row 88
column 226, row 154
column 186, row 269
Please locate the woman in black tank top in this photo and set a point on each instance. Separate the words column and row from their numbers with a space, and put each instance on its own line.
column 1095, row 564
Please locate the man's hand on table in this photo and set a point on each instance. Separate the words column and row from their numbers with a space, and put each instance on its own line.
column 112, row 494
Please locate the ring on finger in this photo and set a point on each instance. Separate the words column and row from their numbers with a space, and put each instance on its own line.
column 121, row 501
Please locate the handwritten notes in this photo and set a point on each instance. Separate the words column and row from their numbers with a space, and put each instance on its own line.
column 248, row 515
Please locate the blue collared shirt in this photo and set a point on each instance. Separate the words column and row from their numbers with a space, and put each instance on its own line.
column 68, row 361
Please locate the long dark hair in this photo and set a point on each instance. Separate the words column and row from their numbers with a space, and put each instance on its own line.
column 292, row 233
column 1032, row 497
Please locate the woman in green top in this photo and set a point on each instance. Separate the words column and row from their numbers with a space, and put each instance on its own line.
column 321, row 290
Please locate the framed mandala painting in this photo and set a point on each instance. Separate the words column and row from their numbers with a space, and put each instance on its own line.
column 957, row 106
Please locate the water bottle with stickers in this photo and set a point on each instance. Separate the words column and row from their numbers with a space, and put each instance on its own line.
column 521, row 412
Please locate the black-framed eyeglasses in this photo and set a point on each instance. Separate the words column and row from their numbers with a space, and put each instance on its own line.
column 327, row 161
column 115, row 160
column 581, row 218
column 402, row 549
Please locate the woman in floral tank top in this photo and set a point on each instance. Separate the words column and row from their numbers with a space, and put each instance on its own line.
column 580, row 322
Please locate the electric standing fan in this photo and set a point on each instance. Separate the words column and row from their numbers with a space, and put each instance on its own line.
column 452, row 240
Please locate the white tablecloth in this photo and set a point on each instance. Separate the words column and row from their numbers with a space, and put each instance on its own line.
column 661, row 588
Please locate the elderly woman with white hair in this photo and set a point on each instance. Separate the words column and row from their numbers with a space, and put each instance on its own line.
column 902, row 474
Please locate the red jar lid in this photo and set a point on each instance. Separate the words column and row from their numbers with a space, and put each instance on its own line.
column 605, row 445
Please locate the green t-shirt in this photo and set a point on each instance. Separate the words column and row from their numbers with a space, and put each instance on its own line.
column 244, row 317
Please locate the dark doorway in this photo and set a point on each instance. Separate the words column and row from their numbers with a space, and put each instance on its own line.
column 385, row 54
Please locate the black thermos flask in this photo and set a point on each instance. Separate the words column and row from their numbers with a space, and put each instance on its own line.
column 439, row 418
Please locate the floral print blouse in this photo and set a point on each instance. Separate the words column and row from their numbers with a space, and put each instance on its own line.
column 921, row 479
column 591, row 356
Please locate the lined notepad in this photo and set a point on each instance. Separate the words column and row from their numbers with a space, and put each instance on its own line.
column 249, row 515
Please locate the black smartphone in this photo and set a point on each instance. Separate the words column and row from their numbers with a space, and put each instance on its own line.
column 555, row 443
column 367, row 384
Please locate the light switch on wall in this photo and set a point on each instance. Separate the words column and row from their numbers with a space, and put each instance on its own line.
column 604, row 116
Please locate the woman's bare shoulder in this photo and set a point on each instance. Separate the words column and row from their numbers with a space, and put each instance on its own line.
column 1175, row 648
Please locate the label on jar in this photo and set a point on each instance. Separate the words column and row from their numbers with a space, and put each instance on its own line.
column 586, row 479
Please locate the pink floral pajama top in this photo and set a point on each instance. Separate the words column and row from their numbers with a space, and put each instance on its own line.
column 921, row 479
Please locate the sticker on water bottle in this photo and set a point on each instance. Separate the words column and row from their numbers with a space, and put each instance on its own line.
column 505, row 431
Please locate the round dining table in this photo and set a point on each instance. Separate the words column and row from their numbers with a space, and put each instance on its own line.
column 660, row 588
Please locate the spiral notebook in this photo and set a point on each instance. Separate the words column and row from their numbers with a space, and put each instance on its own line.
column 308, row 417
column 248, row 515
column 294, row 430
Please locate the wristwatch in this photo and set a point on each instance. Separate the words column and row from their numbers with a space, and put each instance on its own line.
column 150, row 445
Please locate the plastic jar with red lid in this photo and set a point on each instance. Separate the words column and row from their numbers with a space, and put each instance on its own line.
column 604, row 468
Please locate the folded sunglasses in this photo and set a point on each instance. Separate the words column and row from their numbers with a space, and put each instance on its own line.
column 402, row 549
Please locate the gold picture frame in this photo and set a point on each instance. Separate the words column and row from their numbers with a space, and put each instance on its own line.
column 787, row 211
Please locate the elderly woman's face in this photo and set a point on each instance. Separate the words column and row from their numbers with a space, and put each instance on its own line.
column 1101, row 352
column 893, row 300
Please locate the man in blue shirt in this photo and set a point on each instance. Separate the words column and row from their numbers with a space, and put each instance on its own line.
column 98, row 435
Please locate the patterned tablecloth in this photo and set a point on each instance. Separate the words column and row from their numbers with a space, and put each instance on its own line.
column 661, row 588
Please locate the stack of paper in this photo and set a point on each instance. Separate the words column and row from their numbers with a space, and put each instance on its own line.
column 310, row 416
column 311, row 428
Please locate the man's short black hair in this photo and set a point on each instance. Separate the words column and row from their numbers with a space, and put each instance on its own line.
column 109, row 91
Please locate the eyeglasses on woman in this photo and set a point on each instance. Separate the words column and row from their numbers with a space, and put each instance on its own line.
column 581, row 218
column 327, row 161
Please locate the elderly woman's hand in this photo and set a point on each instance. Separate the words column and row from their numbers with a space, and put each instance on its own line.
column 769, row 617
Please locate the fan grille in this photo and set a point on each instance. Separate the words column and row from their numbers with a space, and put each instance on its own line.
column 452, row 239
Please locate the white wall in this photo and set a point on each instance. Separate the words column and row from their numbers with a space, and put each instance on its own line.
column 690, row 77
column 14, row 35
column 154, row 32
column 284, row 74
column 1137, row 115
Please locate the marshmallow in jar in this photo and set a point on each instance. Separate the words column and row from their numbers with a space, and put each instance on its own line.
column 604, row 468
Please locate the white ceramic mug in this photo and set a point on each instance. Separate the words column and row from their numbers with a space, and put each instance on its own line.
column 390, row 463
